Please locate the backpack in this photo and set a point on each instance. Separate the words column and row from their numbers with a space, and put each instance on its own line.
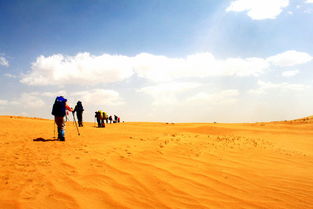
column 58, row 108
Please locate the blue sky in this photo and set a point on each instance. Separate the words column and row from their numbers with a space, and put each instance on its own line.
column 157, row 60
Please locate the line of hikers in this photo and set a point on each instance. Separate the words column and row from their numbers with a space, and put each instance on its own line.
column 103, row 117
column 60, row 111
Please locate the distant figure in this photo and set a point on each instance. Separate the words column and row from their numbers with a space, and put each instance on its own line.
column 110, row 118
column 79, row 112
column 59, row 111
column 97, row 116
column 100, row 120
column 115, row 119
column 106, row 118
column 103, row 119
column 118, row 119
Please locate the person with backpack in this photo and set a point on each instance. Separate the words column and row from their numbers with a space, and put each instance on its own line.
column 79, row 113
column 106, row 117
column 100, row 118
column 103, row 119
column 59, row 111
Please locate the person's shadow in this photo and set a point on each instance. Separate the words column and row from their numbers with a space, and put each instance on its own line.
column 40, row 139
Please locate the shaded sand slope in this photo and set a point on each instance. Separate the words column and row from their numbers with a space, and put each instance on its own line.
column 155, row 165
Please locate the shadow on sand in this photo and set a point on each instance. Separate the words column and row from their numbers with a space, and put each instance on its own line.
column 44, row 140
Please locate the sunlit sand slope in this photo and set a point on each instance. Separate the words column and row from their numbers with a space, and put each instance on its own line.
column 156, row 165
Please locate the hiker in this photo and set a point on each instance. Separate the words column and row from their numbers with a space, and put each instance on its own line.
column 59, row 111
column 97, row 116
column 110, row 118
column 79, row 112
column 103, row 118
column 106, row 118
column 100, row 120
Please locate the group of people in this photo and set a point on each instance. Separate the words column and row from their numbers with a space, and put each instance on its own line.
column 102, row 118
column 60, row 111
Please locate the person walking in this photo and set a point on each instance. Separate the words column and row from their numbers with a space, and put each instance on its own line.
column 106, row 117
column 110, row 118
column 103, row 119
column 79, row 113
column 59, row 111
column 100, row 118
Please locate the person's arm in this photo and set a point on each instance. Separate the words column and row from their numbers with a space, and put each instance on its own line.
column 68, row 108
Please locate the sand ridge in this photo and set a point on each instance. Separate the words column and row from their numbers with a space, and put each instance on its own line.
column 156, row 165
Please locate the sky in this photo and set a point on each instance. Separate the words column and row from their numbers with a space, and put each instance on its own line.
column 159, row 60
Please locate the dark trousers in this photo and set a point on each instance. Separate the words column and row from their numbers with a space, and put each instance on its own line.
column 79, row 118
column 61, row 127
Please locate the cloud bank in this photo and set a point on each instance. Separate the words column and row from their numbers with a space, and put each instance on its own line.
column 290, row 73
column 83, row 68
column 290, row 58
column 265, row 87
column 259, row 9
column 87, row 69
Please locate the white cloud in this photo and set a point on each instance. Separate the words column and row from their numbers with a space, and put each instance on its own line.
column 309, row 1
column 290, row 58
column 53, row 94
column 3, row 102
column 87, row 69
column 223, row 97
column 267, row 86
column 31, row 100
column 290, row 73
column 4, row 61
column 9, row 75
column 160, row 68
column 167, row 93
column 99, row 97
column 259, row 9
column 80, row 69
column 244, row 67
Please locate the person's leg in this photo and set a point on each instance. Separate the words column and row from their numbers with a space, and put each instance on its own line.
column 102, row 122
column 80, row 119
column 99, row 122
column 61, row 125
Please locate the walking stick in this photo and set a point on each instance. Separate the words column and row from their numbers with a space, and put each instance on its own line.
column 76, row 125
column 54, row 129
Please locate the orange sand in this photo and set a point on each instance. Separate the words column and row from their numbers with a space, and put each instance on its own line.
column 156, row 165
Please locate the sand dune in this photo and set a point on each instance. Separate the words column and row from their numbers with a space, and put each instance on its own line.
column 156, row 165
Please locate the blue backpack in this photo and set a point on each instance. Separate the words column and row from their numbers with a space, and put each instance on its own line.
column 58, row 108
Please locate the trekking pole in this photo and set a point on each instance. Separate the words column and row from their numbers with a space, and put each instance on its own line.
column 76, row 124
column 54, row 130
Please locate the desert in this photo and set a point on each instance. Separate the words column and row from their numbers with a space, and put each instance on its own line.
column 156, row 165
